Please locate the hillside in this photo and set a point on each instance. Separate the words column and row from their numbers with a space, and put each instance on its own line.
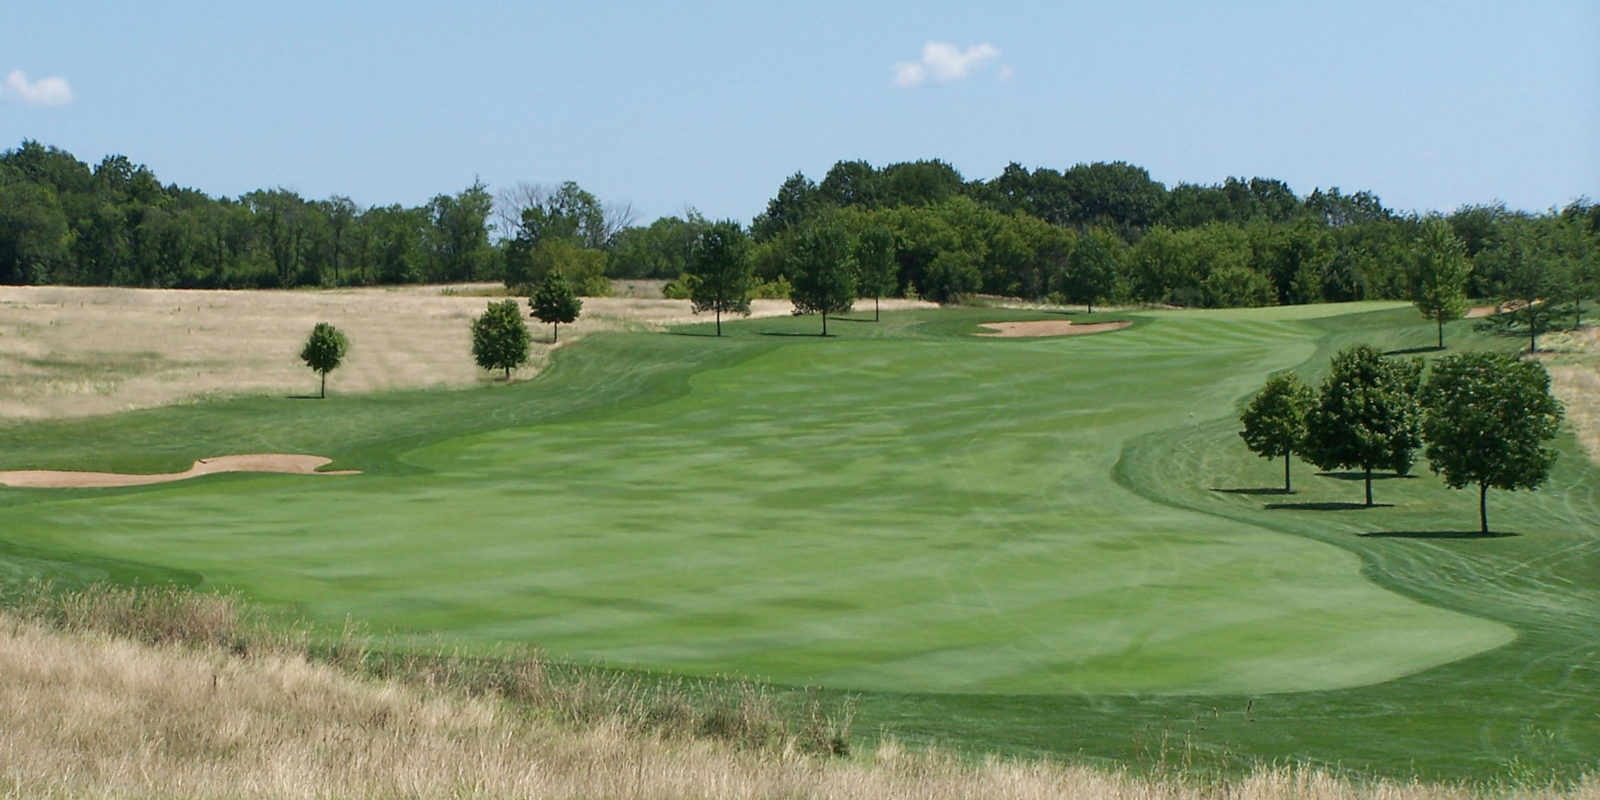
column 88, row 714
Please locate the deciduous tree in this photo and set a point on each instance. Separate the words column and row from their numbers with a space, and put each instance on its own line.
column 793, row 205
column 1092, row 269
column 1439, row 273
column 500, row 340
column 1488, row 418
column 324, row 352
column 1531, row 277
column 1367, row 414
column 822, row 272
column 555, row 302
column 875, row 264
column 719, row 271
column 1275, row 421
column 459, row 235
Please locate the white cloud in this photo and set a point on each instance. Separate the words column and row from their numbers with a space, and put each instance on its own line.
column 944, row 62
column 908, row 74
column 43, row 92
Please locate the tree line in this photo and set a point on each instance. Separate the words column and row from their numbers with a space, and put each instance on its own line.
column 1091, row 233
column 1109, row 232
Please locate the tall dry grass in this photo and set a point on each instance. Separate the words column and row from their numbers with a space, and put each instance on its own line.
column 1573, row 358
column 181, row 710
column 90, row 715
column 72, row 351
column 740, row 713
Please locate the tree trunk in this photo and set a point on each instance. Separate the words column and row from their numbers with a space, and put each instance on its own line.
column 719, row 323
column 508, row 373
column 555, row 332
column 1533, row 329
column 1441, row 333
column 1483, row 507
column 824, row 323
column 1286, row 488
column 1369, row 487
column 874, row 308
column 1090, row 306
column 323, row 393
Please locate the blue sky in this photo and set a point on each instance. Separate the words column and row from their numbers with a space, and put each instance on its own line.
column 713, row 104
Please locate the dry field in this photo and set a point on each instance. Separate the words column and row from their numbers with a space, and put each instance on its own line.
column 70, row 351
column 87, row 715
column 1574, row 363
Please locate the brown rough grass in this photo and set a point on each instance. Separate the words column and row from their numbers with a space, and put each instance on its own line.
column 87, row 714
column 1574, row 365
column 75, row 351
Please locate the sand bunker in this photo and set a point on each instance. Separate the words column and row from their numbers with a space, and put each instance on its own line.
column 253, row 462
column 1482, row 311
column 1051, row 327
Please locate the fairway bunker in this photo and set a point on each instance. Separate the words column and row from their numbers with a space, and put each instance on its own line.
column 252, row 462
column 1050, row 327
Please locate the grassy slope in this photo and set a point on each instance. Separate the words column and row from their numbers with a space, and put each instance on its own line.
column 85, row 715
column 900, row 509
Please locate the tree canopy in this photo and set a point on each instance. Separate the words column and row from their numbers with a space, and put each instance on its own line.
column 324, row 351
column 1092, row 269
column 1275, row 420
column 719, row 271
column 555, row 302
column 875, row 264
column 1489, row 417
column 1535, row 275
column 822, row 264
column 1439, row 273
column 1243, row 241
column 1367, row 415
column 500, row 340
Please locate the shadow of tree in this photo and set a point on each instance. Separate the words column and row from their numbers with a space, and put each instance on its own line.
column 1437, row 535
column 1324, row 506
column 1361, row 476
column 1411, row 351
column 1255, row 490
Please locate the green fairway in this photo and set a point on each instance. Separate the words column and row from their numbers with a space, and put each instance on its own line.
column 985, row 534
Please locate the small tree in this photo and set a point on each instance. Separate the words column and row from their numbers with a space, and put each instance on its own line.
column 324, row 352
column 1091, row 269
column 822, row 272
column 555, row 302
column 1488, row 417
column 1367, row 414
column 1439, row 272
column 499, row 338
column 1531, row 277
column 1579, row 248
column 875, row 264
column 1275, row 420
column 719, row 271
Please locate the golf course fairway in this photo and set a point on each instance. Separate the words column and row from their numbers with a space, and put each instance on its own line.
column 903, row 509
